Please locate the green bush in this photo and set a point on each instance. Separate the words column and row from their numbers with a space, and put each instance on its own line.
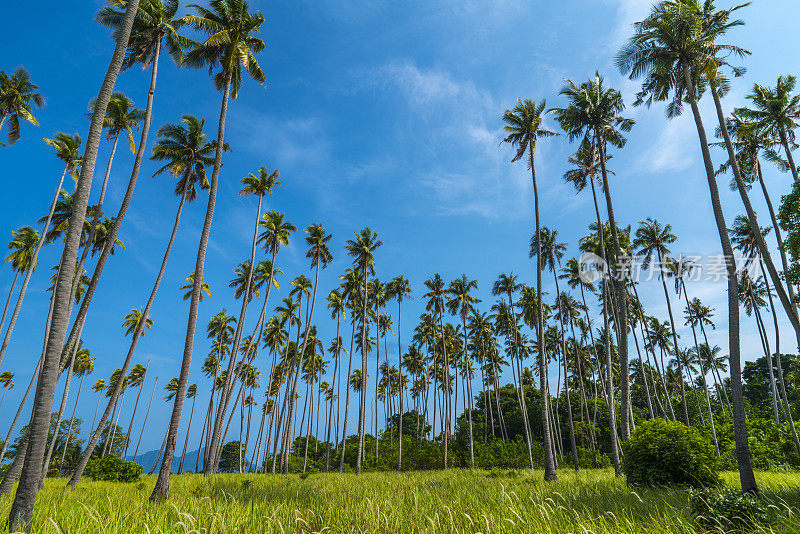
column 53, row 472
column 113, row 469
column 729, row 510
column 662, row 453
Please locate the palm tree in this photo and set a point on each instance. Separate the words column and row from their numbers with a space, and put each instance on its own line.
column 231, row 45
column 337, row 306
column 84, row 365
column 776, row 112
column 18, row 97
column 6, row 382
column 67, row 149
column 362, row 249
column 653, row 241
column 22, row 245
column 461, row 302
column 593, row 116
column 399, row 288
column 31, row 473
column 670, row 49
column 524, row 126
column 185, row 151
column 259, row 185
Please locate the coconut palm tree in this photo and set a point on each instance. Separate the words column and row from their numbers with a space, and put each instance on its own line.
column 653, row 240
column 593, row 117
column 31, row 471
column 260, row 185
column 18, row 97
column 231, row 46
column 362, row 249
column 84, row 365
column 67, row 149
column 399, row 288
column 461, row 302
column 337, row 306
column 185, row 152
column 776, row 112
column 7, row 383
column 524, row 126
column 136, row 379
column 22, row 246
column 670, row 51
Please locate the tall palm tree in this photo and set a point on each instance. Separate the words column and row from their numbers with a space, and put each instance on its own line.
column 399, row 289
column 258, row 184
column 153, row 28
column 670, row 50
column 18, row 97
column 653, row 240
column 461, row 302
column 186, row 153
column 551, row 254
column 337, row 306
column 524, row 126
column 436, row 304
column 84, row 365
column 136, row 379
column 67, row 149
column 22, row 246
column 31, row 471
column 593, row 116
column 362, row 249
column 232, row 45
column 776, row 111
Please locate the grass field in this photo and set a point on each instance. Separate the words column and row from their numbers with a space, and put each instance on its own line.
column 454, row 501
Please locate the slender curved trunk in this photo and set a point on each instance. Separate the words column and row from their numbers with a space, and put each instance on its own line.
column 471, row 445
column 776, row 227
column 773, row 388
column 330, row 409
column 144, row 423
column 19, row 409
column 29, row 272
column 789, row 157
column 612, row 416
column 25, row 498
column 549, row 460
column 8, row 299
column 61, row 409
column 400, row 367
column 186, row 441
column 161, row 488
column 71, row 423
column 363, row 393
column 743, row 457
column 572, row 442
column 133, row 415
column 347, row 396
column 137, row 334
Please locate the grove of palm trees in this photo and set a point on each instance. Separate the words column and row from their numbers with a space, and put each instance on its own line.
column 548, row 306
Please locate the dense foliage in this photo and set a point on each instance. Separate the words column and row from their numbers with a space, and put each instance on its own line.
column 113, row 469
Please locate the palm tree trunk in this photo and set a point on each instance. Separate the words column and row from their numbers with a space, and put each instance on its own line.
column 161, row 488
column 363, row 393
column 186, row 441
column 612, row 416
column 133, row 415
column 330, row 409
column 61, row 409
column 72, row 421
column 8, row 299
column 347, row 395
column 137, row 334
column 789, row 157
column 469, row 413
column 549, row 460
column 25, row 498
column 29, row 272
column 158, row 456
column 743, row 458
column 19, row 409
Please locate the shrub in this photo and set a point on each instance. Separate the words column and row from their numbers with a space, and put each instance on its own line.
column 113, row 469
column 729, row 510
column 662, row 453
column 53, row 472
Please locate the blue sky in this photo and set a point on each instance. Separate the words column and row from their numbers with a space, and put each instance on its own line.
column 380, row 114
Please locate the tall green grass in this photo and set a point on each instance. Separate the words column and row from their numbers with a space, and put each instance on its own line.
column 454, row 501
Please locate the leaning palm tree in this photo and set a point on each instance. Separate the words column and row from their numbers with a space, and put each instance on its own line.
column 186, row 152
column 362, row 249
column 22, row 246
column 84, row 365
column 231, row 46
column 776, row 112
column 593, row 117
column 136, row 379
column 260, row 185
column 67, row 149
column 18, row 97
column 670, row 51
column 31, row 462
column 191, row 393
column 524, row 126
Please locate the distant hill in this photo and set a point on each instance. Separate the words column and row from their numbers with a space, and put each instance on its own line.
column 146, row 460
